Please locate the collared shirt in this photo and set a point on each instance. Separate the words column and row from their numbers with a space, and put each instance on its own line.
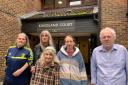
column 46, row 75
column 109, row 68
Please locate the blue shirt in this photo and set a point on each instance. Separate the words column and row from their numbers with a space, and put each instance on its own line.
column 109, row 68
column 15, row 59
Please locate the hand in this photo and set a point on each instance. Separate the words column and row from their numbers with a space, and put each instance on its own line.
column 92, row 84
column 33, row 69
column 17, row 72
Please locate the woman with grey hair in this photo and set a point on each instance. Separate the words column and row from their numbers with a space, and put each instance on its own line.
column 19, row 44
column 45, row 40
column 18, row 60
column 47, row 68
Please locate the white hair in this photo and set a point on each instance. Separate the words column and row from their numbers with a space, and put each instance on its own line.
column 52, row 50
column 110, row 30
column 50, row 41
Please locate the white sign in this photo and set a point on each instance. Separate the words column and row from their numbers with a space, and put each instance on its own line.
column 57, row 26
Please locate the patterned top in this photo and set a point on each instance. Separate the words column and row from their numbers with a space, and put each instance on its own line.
column 72, row 68
column 46, row 75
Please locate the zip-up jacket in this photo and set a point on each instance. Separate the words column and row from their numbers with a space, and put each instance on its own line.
column 72, row 68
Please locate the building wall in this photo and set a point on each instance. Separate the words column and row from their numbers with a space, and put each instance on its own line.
column 10, row 24
column 113, row 14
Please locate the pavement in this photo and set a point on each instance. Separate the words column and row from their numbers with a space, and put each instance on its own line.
column 1, row 83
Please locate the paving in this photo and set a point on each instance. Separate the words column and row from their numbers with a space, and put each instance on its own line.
column 1, row 83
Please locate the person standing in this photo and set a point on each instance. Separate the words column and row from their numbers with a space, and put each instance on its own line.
column 45, row 40
column 72, row 67
column 47, row 68
column 109, row 62
column 18, row 60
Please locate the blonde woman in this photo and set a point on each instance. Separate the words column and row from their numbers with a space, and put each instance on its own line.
column 47, row 68
column 45, row 40
column 18, row 60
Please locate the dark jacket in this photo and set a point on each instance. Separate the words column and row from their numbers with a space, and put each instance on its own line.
column 37, row 52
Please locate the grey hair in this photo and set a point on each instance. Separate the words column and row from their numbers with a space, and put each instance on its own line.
column 108, row 29
column 50, row 41
column 52, row 50
column 27, row 39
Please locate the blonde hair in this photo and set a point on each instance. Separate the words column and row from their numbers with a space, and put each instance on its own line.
column 50, row 41
column 27, row 39
column 52, row 50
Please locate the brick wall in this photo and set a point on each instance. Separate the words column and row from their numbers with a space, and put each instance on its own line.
column 113, row 14
column 10, row 24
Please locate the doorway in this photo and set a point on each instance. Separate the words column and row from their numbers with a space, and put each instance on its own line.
column 83, row 43
column 86, row 44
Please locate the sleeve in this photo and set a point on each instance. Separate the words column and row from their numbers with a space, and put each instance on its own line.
column 58, row 55
column 6, row 56
column 34, row 55
column 35, row 75
column 93, row 68
column 83, row 74
column 30, row 57
column 57, row 77
column 126, row 55
column 32, row 81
